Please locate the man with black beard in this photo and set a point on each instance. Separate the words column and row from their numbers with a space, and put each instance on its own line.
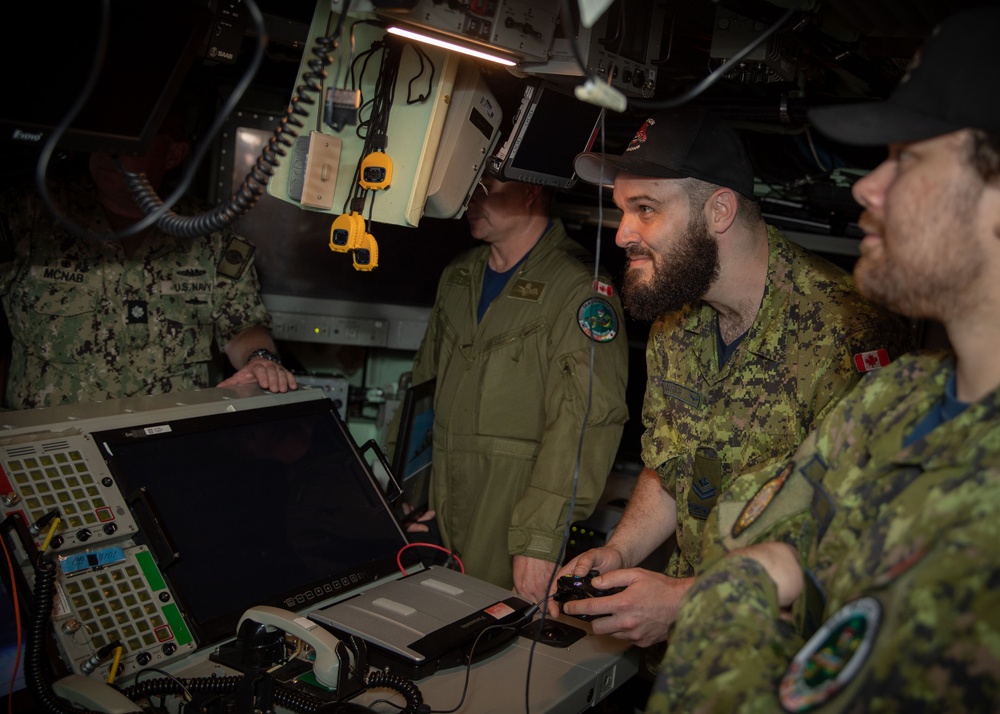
column 861, row 574
column 753, row 341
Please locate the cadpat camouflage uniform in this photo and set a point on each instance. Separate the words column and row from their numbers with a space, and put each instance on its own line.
column 89, row 323
column 899, row 545
column 511, row 398
column 706, row 425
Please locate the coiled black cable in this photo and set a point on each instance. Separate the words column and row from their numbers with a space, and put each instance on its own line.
column 34, row 648
column 255, row 182
column 157, row 210
column 292, row 700
column 406, row 687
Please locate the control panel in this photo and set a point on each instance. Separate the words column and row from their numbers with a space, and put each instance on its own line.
column 109, row 589
column 342, row 322
column 330, row 329
column 622, row 50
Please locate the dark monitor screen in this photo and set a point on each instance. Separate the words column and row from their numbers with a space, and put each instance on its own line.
column 552, row 128
column 412, row 454
column 150, row 47
column 271, row 506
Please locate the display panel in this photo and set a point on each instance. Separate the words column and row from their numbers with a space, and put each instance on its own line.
column 413, row 441
column 552, row 127
column 272, row 506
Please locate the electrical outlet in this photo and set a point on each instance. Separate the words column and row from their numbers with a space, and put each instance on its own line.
column 322, row 164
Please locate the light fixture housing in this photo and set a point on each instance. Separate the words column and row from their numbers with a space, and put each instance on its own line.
column 449, row 45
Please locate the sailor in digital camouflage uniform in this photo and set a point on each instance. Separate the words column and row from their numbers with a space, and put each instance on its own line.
column 863, row 574
column 95, row 319
column 741, row 361
column 509, row 341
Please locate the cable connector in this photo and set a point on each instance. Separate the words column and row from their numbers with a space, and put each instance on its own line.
column 601, row 95
column 376, row 171
column 346, row 232
column 366, row 253
column 341, row 108
column 99, row 656
column 39, row 525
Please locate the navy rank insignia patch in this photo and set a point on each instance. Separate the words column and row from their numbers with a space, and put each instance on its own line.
column 598, row 320
column 235, row 258
column 136, row 312
column 761, row 500
column 832, row 657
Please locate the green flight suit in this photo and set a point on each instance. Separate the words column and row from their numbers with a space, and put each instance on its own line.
column 512, row 397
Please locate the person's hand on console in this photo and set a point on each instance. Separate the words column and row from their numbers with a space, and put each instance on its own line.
column 416, row 520
column 642, row 613
column 604, row 560
column 531, row 577
column 265, row 373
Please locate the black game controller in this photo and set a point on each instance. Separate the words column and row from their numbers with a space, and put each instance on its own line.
column 575, row 587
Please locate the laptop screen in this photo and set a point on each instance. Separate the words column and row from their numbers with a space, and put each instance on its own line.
column 271, row 506
column 412, row 454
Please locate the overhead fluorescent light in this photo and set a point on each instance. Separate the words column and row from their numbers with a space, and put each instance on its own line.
column 430, row 39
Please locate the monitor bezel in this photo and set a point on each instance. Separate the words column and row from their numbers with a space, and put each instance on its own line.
column 298, row 597
column 509, row 163
column 418, row 400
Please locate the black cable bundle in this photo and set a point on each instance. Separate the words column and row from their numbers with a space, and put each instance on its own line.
column 34, row 649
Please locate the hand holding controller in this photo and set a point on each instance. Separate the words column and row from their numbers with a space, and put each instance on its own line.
column 576, row 587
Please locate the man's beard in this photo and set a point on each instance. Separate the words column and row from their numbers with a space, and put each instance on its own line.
column 916, row 278
column 680, row 277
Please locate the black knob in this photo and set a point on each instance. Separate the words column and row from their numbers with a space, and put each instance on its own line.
column 83, row 535
column 110, row 528
column 143, row 658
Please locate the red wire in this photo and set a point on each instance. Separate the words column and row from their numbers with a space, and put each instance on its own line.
column 435, row 546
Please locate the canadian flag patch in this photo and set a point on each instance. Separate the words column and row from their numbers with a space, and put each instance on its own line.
column 868, row 361
column 603, row 288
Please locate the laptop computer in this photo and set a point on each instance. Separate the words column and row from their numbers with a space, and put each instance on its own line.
column 430, row 620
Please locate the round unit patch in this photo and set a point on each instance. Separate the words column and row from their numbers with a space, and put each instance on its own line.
column 598, row 320
column 832, row 657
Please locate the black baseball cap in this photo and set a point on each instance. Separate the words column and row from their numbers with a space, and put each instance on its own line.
column 949, row 86
column 687, row 142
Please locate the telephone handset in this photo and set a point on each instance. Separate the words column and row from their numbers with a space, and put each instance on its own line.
column 327, row 664
column 93, row 694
